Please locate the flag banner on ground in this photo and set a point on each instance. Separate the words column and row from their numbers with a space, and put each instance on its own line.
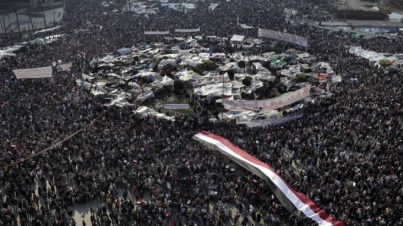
column 41, row 72
column 176, row 106
column 292, row 200
column 156, row 32
column 64, row 67
column 286, row 37
column 268, row 104
column 187, row 30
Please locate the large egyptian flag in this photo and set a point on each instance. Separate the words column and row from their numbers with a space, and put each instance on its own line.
column 290, row 199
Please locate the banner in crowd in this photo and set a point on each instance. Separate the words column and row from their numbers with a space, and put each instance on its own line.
column 156, row 32
column 244, row 26
column 187, row 30
column 290, row 12
column 64, row 67
column 272, row 121
column 289, row 198
column 176, row 106
column 268, row 104
column 286, row 37
column 41, row 72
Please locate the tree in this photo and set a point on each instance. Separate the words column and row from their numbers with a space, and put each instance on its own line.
column 246, row 81
column 207, row 65
column 266, row 64
column 18, row 21
column 242, row 64
column 385, row 63
column 29, row 17
column 179, row 85
column 43, row 13
column 4, row 23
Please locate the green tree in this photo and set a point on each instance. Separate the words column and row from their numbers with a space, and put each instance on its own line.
column 385, row 63
column 246, row 81
column 179, row 85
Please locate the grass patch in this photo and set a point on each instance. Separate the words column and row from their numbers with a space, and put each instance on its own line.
column 208, row 65
column 385, row 63
column 302, row 78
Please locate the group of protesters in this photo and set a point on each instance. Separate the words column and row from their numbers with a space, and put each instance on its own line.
column 344, row 154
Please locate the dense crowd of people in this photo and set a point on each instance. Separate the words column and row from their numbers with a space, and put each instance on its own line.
column 346, row 150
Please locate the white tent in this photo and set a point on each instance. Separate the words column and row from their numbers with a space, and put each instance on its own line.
column 124, row 51
column 214, row 89
column 144, row 96
column 145, row 111
column 119, row 101
column 237, row 38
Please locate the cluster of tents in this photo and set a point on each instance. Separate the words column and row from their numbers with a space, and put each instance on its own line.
column 130, row 76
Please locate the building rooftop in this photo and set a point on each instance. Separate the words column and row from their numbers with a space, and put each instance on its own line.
column 362, row 23
column 333, row 23
column 374, row 23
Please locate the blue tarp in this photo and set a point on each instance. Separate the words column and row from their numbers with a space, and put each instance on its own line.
column 124, row 51
column 173, row 6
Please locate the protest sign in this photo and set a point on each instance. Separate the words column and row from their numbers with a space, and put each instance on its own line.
column 176, row 106
column 281, row 36
column 268, row 104
column 156, row 32
column 187, row 30
column 42, row 72
column 64, row 67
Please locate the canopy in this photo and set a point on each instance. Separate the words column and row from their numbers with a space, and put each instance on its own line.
column 37, row 41
column 124, row 51
column 237, row 38
column 355, row 35
column 279, row 62
column 145, row 111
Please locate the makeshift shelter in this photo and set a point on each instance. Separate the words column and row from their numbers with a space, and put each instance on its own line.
column 124, row 51
column 37, row 41
column 305, row 68
column 145, row 111
column 355, row 35
column 237, row 39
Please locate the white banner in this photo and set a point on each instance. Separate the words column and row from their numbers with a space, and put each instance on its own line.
column 47, row 30
column 272, row 122
column 290, row 12
column 286, row 37
column 269, row 104
column 187, row 30
column 156, row 32
column 64, row 67
column 42, row 72
column 176, row 106
column 244, row 26
column 93, row 61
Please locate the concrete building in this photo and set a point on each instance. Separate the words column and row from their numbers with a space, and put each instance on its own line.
column 36, row 2
column 391, row 26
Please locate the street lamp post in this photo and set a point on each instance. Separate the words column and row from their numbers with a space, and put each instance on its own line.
column 4, row 24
